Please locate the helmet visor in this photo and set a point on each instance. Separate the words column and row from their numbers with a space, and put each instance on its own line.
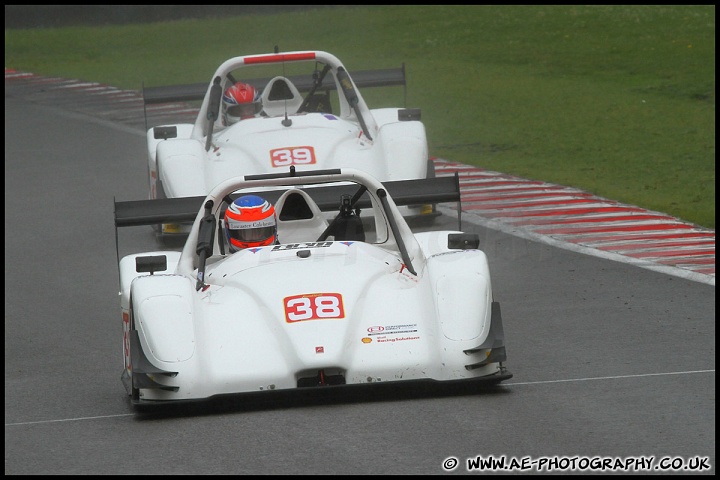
column 252, row 234
column 244, row 109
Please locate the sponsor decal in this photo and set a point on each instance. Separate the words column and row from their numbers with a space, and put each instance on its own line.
column 389, row 333
column 395, row 339
column 268, row 222
column 392, row 329
column 313, row 306
column 286, row 156
column 320, row 349
column 295, row 246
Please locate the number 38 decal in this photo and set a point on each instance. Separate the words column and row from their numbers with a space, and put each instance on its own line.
column 313, row 306
column 284, row 157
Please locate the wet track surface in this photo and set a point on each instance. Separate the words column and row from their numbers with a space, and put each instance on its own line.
column 562, row 216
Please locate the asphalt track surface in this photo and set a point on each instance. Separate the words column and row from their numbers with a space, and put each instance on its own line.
column 612, row 359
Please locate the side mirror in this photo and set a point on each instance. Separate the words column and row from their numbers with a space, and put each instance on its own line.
column 408, row 114
column 151, row 264
column 164, row 132
column 463, row 241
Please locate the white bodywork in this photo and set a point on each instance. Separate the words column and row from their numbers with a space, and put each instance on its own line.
column 398, row 306
column 383, row 145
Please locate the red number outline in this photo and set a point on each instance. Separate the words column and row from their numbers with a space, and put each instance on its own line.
column 313, row 306
column 286, row 156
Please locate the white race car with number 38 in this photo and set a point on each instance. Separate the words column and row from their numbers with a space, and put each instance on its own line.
column 356, row 300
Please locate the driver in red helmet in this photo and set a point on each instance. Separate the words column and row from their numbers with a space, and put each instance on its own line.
column 240, row 101
column 250, row 221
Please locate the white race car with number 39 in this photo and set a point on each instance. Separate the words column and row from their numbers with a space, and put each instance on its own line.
column 313, row 116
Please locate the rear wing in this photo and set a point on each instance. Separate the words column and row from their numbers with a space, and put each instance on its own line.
column 304, row 83
column 404, row 192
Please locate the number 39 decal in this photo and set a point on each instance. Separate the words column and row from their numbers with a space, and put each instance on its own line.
column 313, row 306
column 284, row 157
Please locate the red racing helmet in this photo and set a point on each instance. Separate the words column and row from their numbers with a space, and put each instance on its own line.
column 240, row 101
